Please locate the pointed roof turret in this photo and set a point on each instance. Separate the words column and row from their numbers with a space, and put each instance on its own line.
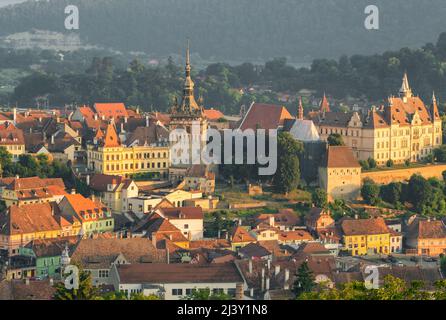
column 300, row 110
column 325, row 105
column 434, row 108
column 406, row 91
column 111, row 138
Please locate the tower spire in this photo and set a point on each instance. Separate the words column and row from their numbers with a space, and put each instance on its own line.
column 405, row 91
column 325, row 106
column 434, row 109
column 188, row 67
column 300, row 110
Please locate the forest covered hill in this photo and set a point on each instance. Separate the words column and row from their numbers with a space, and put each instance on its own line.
column 238, row 30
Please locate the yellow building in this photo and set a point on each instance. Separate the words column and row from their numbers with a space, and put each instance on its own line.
column 340, row 174
column 145, row 151
column 21, row 225
column 404, row 129
column 366, row 236
column 12, row 139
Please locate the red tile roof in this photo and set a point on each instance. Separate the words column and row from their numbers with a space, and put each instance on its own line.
column 265, row 116
column 352, row 227
column 213, row 115
column 340, row 157
column 111, row 110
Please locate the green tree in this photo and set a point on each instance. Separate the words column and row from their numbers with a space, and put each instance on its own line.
column 305, row 281
column 287, row 176
column 86, row 290
column 206, row 294
column 335, row 139
column 372, row 163
column 391, row 193
column 370, row 192
column 319, row 198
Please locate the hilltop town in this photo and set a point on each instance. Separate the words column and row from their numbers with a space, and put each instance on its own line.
column 95, row 187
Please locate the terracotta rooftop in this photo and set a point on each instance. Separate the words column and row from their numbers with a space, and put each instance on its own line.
column 29, row 218
column 240, row 234
column 352, row 227
column 97, row 253
column 340, row 157
column 427, row 229
column 182, row 213
column 179, row 273
column 265, row 116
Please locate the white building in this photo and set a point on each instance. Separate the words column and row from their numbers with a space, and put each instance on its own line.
column 175, row 281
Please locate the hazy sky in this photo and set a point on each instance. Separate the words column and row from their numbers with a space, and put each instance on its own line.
column 6, row 2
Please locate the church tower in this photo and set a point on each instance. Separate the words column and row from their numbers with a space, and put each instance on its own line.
column 184, row 113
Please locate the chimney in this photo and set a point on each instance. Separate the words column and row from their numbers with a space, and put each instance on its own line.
column 250, row 266
column 147, row 121
column 356, row 217
column 167, row 255
column 27, row 281
column 267, row 284
column 52, row 139
column 263, row 279
column 276, row 270
column 125, row 119
column 269, row 264
column 73, row 191
column 87, row 180
column 14, row 115
column 122, row 127
column 251, row 292
column 93, row 198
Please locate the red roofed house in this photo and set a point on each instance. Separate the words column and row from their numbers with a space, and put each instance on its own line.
column 22, row 191
column 12, row 139
column 265, row 116
column 426, row 236
column 114, row 190
column 95, row 217
column 21, row 225
column 189, row 220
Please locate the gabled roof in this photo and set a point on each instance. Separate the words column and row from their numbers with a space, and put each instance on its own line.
column 353, row 227
column 179, row 273
column 240, row 234
column 213, row 115
column 302, row 130
column 111, row 138
column 426, row 229
column 254, row 250
column 29, row 218
column 110, row 110
column 265, row 116
column 182, row 213
column 97, row 253
column 146, row 136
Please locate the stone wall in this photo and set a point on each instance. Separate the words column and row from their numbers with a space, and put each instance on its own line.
column 400, row 175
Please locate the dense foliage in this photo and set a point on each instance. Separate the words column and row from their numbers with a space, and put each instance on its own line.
column 424, row 196
column 392, row 289
column 369, row 78
column 236, row 29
